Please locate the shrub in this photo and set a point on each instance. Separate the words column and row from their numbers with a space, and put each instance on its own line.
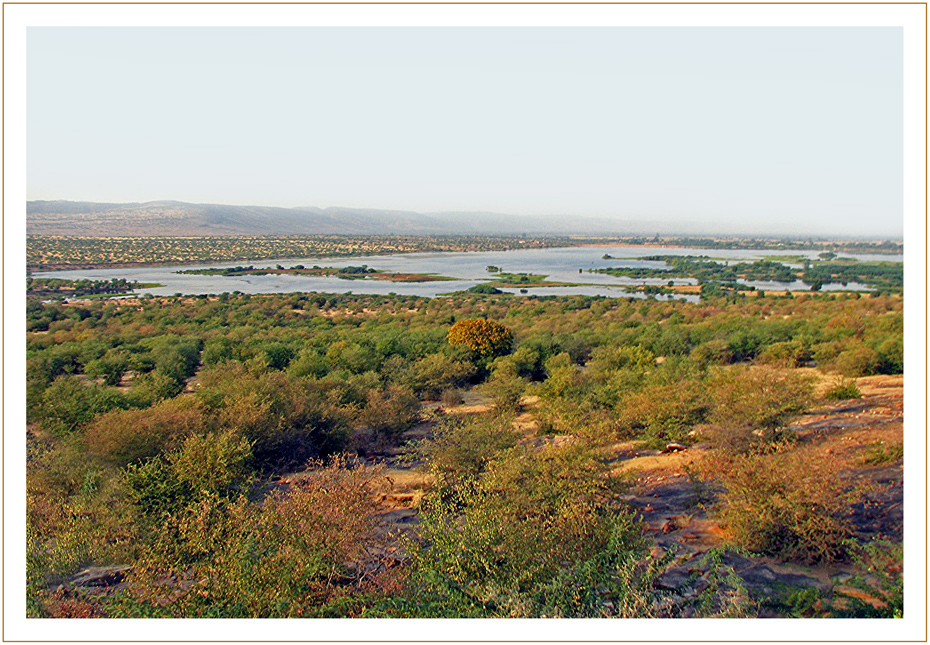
column 535, row 537
column 127, row 436
column 621, row 357
column 301, row 552
column 505, row 389
column 452, row 397
column 712, row 352
column 791, row 504
column 391, row 411
column 857, row 360
column 430, row 375
column 663, row 412
column 460, row 448
column 842, row 389
column 759, row 398
column 286, row 420
column 791, row 353
column 69, row 403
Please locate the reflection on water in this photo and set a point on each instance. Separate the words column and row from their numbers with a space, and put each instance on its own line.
column 571, row 265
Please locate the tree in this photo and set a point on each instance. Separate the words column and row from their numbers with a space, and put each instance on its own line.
column 484, row 337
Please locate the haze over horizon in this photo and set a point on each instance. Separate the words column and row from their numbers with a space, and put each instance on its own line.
column 742, row 129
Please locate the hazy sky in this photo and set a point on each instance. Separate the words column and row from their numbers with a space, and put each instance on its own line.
column 791, row 128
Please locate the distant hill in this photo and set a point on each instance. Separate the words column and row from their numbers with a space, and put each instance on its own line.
column 170, row 218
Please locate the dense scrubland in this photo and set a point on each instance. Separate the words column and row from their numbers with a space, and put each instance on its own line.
column 236, row 455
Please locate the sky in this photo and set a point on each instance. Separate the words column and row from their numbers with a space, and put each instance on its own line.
column 797, row 129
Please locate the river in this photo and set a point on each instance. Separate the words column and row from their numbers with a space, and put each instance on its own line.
column 566, row 264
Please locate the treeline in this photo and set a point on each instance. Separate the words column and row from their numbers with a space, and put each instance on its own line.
column 70, row 252
column 887, row 276
column 158, row 428
column 772, row 244
column 51, row 287
column 59, row 252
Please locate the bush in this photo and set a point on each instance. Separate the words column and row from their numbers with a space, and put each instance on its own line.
column 842, row 389
column 759, row 398
column 301, row 552
column 69, row 403
column 505, row 389
column 430, row 375
column 126, row 436
column 712, row 352
column 286, row 420
column 857, row 360
column 452, row 397
column 460, row 448
column 791, row 353
column 793, row 505
column 663, row 412
column 391, row 411
column 535, row 537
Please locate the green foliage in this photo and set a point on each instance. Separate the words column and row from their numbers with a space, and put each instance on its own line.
column 127, row 436
column 534, row 537
column 505, row 389
column 285, row 378
column 69, row 403
column 713, row 352
column 299, row 553
column 484, row 288
column 790, row 504
column 391, row 411
column 842, row 389
column 663, row 412
column 759, row 398
column 460, row 448
column 784, row 354
column 286, row 420
column 431, row 375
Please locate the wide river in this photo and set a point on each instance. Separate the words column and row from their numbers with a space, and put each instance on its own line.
column 568, row 264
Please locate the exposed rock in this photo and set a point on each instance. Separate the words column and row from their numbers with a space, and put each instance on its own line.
column 98, row 577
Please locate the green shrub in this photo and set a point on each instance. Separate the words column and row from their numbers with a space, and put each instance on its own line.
column 759, row 398
column 791, row 353
column 302, row 552
column 713, row 352
column 842, row 389
column 792, row 504
column 505, row 389
column 69, row 403
column 390, row 411
column 431, row 375
column 857, row 360
column 460, row 448
column 126, row 436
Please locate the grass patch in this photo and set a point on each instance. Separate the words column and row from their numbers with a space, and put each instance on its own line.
column 882, row 454
column 842, row 390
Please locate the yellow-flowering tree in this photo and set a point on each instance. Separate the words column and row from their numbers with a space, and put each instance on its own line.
column 484, row 337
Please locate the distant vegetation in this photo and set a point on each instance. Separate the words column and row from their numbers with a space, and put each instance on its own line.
column 887, row 276
column 57, row 288
column 44, row 253
column 346, row 273
column 60, row 252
